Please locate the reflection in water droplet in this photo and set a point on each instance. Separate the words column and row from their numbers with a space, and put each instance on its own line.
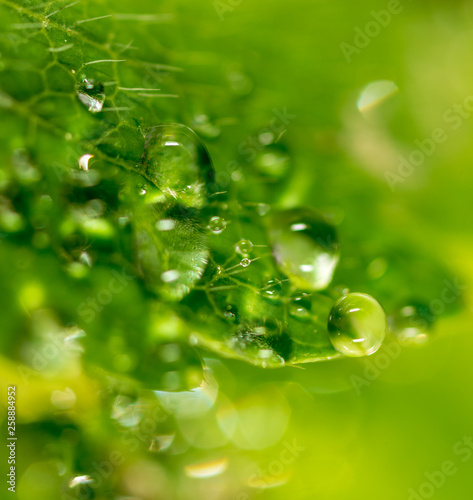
column 245, row 262
column 271, row 288
column 217, row 224
column 177, row 161
column 207, row 469
column 91, row 94
column 84, row 161
column 412, row 324
column 305, row 247
column 244, row 247
column 357, row 325
column 300, row 306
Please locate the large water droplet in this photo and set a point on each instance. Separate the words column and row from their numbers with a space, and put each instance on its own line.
column 91, row 94
column 357, row 325
column 305, row 247
column 177, row 161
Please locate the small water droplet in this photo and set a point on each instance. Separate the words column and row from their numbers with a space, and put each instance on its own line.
column 273, row 161
column 178, row 163
column 357, row 325
column 77, row 480
column 91, row 94
column 245, row 262
column 244, row 247
column 305, row 247
column 300, row 306
column 262, row 209
column 271, row 288
column 411, row 324
column 217, row 224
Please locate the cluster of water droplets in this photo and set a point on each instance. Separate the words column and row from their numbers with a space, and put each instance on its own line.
column 262, row 271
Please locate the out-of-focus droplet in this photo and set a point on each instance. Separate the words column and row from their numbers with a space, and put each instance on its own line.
column 273, row 161
column 357, row 325
column 412, row 324
column 91, row 94
column 244, row 247
column 178, row 163
column 271, row 288
column 78, row 480
column 375, row 93
column 217, row 224
column 207, row 469
column 300, row 306
column 262, row 209
column 305, row 247
column 204, row 126
column 63, row 400
column 162, row 443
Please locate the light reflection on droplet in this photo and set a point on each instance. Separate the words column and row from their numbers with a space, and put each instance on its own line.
column 84, row 161
column 75, row 481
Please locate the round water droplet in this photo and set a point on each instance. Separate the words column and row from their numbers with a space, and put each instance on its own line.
column 244, row 247
column 179, row 164
column 271, row 288
column 357, row 325
column 245, row 262
column 217, row 224
column 305, row 247
column 91, row 94
column 262, row 209
column 300, row 306
column 411, row 324
column 273, row 161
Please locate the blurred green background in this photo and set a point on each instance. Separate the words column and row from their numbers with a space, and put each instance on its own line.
column 368, row 428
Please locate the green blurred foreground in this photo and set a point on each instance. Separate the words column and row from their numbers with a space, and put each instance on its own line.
column 140, row 377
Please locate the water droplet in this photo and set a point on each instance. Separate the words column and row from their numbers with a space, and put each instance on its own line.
column 411, row 324
column 77, row 480
column 305, row 247
column 375, row 93
column 231, row 312
column 91, row 94
column 273, row 161
column 245, row 262
column 300, row 306
column 271, row 288
column 217, row 224
column 357, row 325
column 161, row 443
column 177, row 161
column 262, row 209
column 204, row 126
column 244, row 247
